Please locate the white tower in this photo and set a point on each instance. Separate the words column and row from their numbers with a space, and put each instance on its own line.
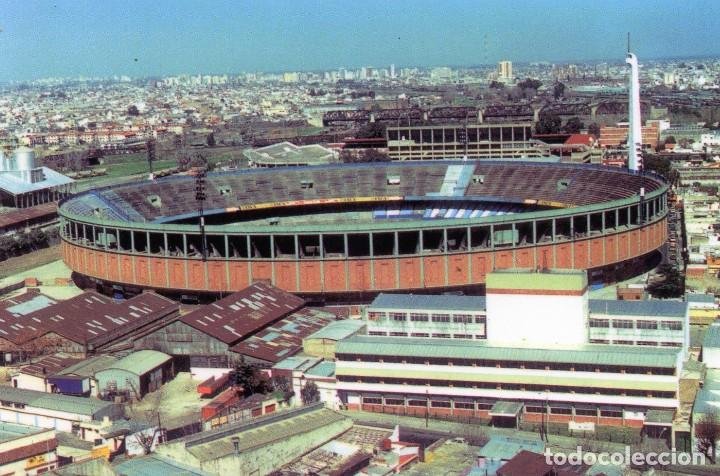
column 635, row 130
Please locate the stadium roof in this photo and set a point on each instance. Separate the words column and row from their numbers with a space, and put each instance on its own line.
column 54, row 401
column 243, row 313
column 429, row 302
column 13, row 185
column 653, row 308
column 597, row 354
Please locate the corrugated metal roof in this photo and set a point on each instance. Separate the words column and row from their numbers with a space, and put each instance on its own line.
column 54, row 401
column 49, row 365
column 337, row 330
column 462, row 349
column 323, row 369
column 429, row 302
column 658, row 308
column 88, row 367
column 700, row 297
column 21, row 215
column 241, row 314
column 154, row 465
column 141, row 362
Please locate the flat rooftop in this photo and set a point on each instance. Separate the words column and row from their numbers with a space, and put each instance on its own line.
column 11, row 431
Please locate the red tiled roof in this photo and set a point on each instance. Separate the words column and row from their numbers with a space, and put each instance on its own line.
column 20, row 216
column 25, row 452
column 526, row 463
column 580, row 139
column 243, row 313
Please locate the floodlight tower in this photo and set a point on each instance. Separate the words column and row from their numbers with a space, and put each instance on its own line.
column 634, row 143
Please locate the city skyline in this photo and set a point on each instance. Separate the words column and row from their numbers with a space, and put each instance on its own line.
column 67, row 39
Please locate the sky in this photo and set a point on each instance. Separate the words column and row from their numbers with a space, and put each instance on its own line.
column 63, row 38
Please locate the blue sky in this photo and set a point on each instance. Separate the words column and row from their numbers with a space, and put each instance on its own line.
column 105, row 37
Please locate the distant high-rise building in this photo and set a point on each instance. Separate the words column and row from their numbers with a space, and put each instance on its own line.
column 392, row 71
column 505, row 69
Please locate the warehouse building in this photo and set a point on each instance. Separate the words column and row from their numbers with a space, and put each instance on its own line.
column 36, row 376
column 536, row 362
column 139, row 373
column 322, row 343
column 60, row 412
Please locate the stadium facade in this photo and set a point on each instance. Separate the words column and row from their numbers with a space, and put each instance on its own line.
column 350, row 231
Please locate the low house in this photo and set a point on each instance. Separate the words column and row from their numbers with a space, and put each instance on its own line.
column 322, row 342
column 60, row 412
column 37, row 375
column 139, row 373
column 27, row 449
column 79, row 379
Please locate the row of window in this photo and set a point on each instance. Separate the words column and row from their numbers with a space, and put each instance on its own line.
column 508, row 364
column 508, row 386
column 426, row 317
column 635, row 324
column 427, row 334
column 647, row 343
column 478, row 406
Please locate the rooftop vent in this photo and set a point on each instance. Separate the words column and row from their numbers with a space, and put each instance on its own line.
column 478, row 179
column 154, row 200
column 306, row 184
column 225, row 190
column 393, row 180
column 563, row 184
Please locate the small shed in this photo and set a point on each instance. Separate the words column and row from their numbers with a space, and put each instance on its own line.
column 139, row 373
column 322, row 342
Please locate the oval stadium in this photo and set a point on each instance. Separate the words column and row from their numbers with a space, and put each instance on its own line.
column 346, row 232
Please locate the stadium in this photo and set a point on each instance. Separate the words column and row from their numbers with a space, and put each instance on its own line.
column 346, row 232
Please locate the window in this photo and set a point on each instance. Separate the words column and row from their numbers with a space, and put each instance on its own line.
column 560, row 411
column 479, row 319
column 599, row 341
column 622, row 324
column 441, row 336
column 374, row 315
column 647, row 324
column 417, row 403
column 534, row 409
column 599, row 323
column 440, row 404
column 377, row 333
column 671, row 344
column 441, row 317
column 398, row 334
column 372, row 400
column 394, row 401
column 398, row 316
column 463, row 318
column 671, row 325
column 611, row 413
column 646, row 343
column 623, row 342
column 465, row 405
column 419, row 334
column 585, row 412
column 418, row 317
column 462, row 336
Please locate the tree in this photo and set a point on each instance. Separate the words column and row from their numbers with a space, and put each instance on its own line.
column 670, row 140
column 497, row 85
column 310, row 393
column 530, row 83
column 670, row 286
column 594, row 129
column 659, row 165
column 247, row 377
column 133, row 110
column 574, row 125
column 211, row 140
column 548, row 124
column 371, row 130
column 707, row 433
column 558, row 90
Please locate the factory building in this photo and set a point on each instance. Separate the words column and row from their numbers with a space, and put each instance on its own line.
column 23, row 183
column 535, row 363
column 136, row 374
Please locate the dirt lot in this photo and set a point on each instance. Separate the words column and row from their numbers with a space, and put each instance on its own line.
column 20, row 264
column 177, row 401
column 449, row 459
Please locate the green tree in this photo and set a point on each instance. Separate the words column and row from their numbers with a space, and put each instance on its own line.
column 529, row 83
column 594, row 129
column 371, row 130
column 671, row 284
column 133, row 110
column 248, row 377
column 558, row 90
column 548, row 124
column 310, row 393
column 211, row 140
column 574, row 125
column 497, row 85
column 670, row 140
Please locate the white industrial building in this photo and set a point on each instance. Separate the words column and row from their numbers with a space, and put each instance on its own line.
column 23, row 183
